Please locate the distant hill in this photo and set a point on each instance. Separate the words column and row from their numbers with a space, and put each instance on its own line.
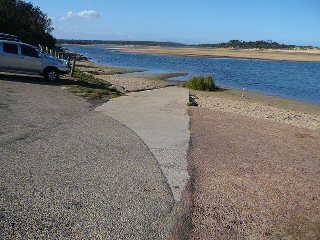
column 234, row 44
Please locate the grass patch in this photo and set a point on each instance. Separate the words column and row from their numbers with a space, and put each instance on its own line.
column 201, row 84
column 92, row 93
column 86, row 77
column 90, row 87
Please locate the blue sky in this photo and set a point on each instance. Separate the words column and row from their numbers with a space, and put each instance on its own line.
column 186, row 21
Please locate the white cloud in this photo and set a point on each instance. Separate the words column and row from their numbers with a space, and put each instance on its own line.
column 121, row 34
column 86, row 14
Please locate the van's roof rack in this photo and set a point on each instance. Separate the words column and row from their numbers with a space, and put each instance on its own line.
column 9, row 37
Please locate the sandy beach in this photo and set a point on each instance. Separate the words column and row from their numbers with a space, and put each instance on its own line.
column 300, row 114
column 310, row 55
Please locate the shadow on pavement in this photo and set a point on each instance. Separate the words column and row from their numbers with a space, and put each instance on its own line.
column 64, row 80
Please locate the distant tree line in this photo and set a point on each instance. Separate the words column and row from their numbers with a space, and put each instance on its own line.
column 238, row 44
column 235, row 44
column 26, row 21
column 144, row 43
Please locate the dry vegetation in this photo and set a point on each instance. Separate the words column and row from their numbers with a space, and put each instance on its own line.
column 86, row 85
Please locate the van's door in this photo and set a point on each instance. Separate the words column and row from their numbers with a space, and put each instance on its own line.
column 31, row 60
column 9, row 57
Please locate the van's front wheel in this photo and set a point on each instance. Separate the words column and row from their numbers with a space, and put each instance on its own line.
column 51, row 74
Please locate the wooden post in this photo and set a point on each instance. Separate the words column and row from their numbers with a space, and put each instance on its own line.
column 72, row 67
column 47, row 49
column 50, row 51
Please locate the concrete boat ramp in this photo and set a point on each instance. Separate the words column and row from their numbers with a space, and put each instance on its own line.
column 159, row 117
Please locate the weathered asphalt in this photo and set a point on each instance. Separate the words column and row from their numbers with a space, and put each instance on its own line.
column 69, row 172
column 160, row 118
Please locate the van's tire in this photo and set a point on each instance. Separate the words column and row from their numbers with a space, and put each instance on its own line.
column 51, row 74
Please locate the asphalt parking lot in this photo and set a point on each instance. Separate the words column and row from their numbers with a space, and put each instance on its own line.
column 70, row 172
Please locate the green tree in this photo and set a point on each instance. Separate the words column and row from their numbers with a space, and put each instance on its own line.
column 26, row 21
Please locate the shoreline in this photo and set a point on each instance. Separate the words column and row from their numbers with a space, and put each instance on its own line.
column 154, row 75
column 252, row 104
column 121, row 78
column 282, row 102
column 249, row 54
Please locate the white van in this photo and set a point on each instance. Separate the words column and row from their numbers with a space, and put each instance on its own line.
column 18, row 57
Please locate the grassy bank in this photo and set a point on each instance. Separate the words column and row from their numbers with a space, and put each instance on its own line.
column 92, row 88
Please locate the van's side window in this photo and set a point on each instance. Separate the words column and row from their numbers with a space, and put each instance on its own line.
column 29, row 51
column 10, row 48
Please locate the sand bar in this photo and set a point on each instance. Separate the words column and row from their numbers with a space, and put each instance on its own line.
column 311, row 55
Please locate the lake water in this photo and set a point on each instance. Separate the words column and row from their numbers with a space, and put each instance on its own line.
column 294, row 80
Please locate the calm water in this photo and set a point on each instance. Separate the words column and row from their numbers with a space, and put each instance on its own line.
column 295, row 80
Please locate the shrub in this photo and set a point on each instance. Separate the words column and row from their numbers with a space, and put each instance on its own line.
column 201, row 84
